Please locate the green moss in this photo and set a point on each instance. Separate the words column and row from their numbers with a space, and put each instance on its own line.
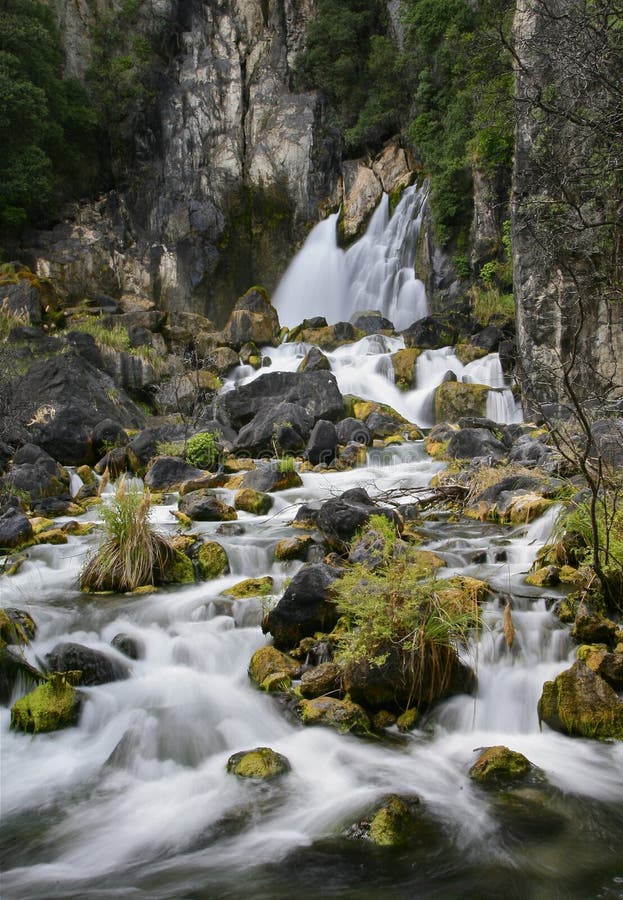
column 404, row 362
column 262, row 762
column 269, row 661
column 250, row 587
column 276, row 683
column 408, row 720
column 454, row 399
column 255, row 502
column 50, row 706
column 293, row 548
column 178, row 569
column 343, row 715
column 212, row 560
column 392, row 824
column 498, row 763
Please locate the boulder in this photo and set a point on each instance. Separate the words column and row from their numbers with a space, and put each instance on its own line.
column 145, row 446
column 253, row 318
column 343, row 715
column 212, row 560
column 392, row 823
column 322, row 444
column 169, row 473
column 607, row 665
column 404, row 363
column 488, row 338
column 316, row 392
column 129, row 646
column 269, row 661
column 262, row 763
column 373, row 323
column 342, row 517
column 351, row 430
column 36, row 475
column 52, row 705
column 305, row 607
column 325, row 678
column 284, row 425
column 16, row 626
column 499, row 765
column 106, row 435
column 272, row 478
column 293, row 548
column 250, row 587
column 429, row 333
column 314, row 361
column 94, row 666
column 15, row 528
column 177, row 568
column 580, row 703
column 469, row 443
column 252, row 501
column 591, row 627
column 454, row 399
column 203, row 506
column 381, row 425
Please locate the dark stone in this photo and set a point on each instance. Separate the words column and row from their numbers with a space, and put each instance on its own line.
column 116, row 462
column 590, row 627
column 341, row 517
column 314, row 361
column 270, row 478
column 316, row 392
column 203, row 506
column 530, row 452
column 307, row 515
column 349, row 430
column 253, row 318
column 22, row 299
column 167, row 473
column 129, row 646
column 289, row 423
column 524, row 483
column 489, row 338
column 96, row 667
column 429, row 333
column 373, row 323
column 344, row 331
column 314, row 322
column 144, row 447
column 471, row 442
column 37, row 475
column 84, row 344
column 382, row 425
column 322, row 444
column 607, row 436
column 306, row 607
column 107, row 435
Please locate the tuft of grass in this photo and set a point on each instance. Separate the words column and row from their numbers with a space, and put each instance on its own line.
column 488, row 304
column 132, row 554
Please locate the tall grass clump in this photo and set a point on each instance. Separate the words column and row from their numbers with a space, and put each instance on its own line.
column 132, row 553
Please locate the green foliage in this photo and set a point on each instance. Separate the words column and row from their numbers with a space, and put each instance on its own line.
column 489, row 305
column 132, row 554
column 202, row 450
column 401, row 605
column 286, row 465
column 462, row 99
column 46, row 121
column 113, row 336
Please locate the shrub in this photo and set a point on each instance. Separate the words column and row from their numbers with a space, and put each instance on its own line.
column 202, row 450
column 132, row 553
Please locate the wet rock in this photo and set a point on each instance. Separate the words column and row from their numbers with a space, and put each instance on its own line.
column 212, row 560
column 546, row 576
column 285, row 425
column 404, row 363
column 604, row 663
column 305, row 607
column 106, row 435
column 177, row 568
column 269, row 661
column 262, row 763
column 320, row 680
column 51, row 706
column 169, row 473
column 351, row 430
column 35, row 475
column 430, row 333
column 253, row 318
column 500, row 765
column 407, row 720
column 381, row 425
column 16, row 626
column 342, row 715
column 342, row 517
column 94, row 666
column 322, row 444
column 293, row 548
column 250, row 587
column 117, row 462
column 15, row 528
column 373, row 323
column 392, row 823
column 307, row 515
column 454, row 399
column 488, row 338
column 203, row 506
column 580, row 703
column 271, row 478
column 316, row 392
column 314, row 361
column 255, row 502
column 471, row 442
column 145, row 446
column 129, row 646
column 591, row 627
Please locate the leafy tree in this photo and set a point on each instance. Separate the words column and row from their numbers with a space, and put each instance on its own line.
column 47, row 124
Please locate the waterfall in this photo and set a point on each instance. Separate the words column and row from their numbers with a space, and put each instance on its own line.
column 377, row 272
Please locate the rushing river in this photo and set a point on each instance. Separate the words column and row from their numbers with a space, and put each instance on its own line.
column 135, row 801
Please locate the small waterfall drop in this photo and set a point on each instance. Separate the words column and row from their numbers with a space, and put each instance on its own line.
column 377, row 272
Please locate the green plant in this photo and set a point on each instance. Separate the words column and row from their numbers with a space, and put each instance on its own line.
column 202, row 449
column 113, row 336
column 132, row 553
column 286, row 464
column 463, row 266
column 489, row 303
column 171, row 448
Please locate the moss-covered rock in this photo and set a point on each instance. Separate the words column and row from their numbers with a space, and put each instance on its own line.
column 499, row 764
column 51, row 706
column 277, row 683
column 178, row 569
column 454, row 400
column 293, row 548
column 404, row 362
column 343, row 715
column 212, row 561
column 321, row 680
column 268, row 661
column 393, row 823
column 50, row 536
column 408, row 719
column 16, row 626
column 250, row 587
column 606, row 664
column 546, row 576
column 580, row 703
column 256, row 502
column 262, row 763
column 592, row 627
column 467, row 352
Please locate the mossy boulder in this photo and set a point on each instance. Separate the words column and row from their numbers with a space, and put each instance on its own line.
column 279, row 477
column 454, row 400
column 393, row 822
column 499, row 764
column 268, row 661
column 16, row 626
column 203, row 506
column 178, row 569
column 256, row 502
column 580, row 703
column 250, row 587
column 343, row 715
column 592, row 627
column 15, row 528
column 51, row 706
column 404, row 362
column 277, row 683
column 260, row 763
column 546, row 576
column 321, row 680
column 212, row 561
column 408, row 719
column 606, row 664
column 293, row 548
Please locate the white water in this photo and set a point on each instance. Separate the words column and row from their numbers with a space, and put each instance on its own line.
column 140, row 787
column 377, row 272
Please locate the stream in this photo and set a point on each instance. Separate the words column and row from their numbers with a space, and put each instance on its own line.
column 135, row 801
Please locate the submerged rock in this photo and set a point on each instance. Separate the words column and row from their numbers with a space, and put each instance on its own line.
column 203, row 506
column 262, row 762
column 250, row 587
column 499, row 764
column 271, row 478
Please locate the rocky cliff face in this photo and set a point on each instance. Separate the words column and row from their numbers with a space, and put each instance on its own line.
column 565, row 209
column 233, row 167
